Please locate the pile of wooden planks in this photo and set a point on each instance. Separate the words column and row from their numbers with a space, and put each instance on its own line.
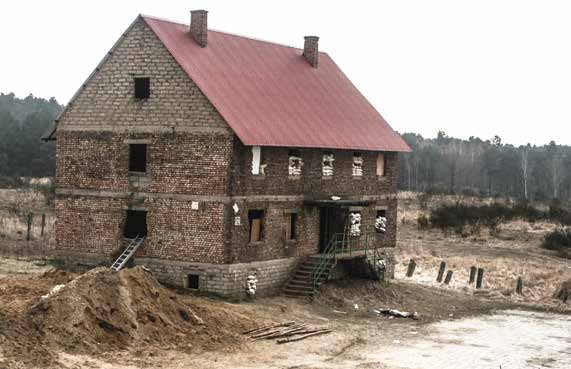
column 285, row 332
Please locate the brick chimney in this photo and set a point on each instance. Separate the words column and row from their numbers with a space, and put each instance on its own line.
column 199, row 26
column 311, row 50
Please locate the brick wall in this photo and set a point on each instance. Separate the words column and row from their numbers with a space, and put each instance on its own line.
column 93, row 225
column 189, row 146
column 175, row 231
column 194, row 163
column 311, row 182
column 274, row 244
column 107, row 101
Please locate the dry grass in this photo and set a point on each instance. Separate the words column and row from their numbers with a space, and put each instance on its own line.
column 15, row 205
column 24, row 249
column 22, row 198
column 515, row 252
column 14, row 225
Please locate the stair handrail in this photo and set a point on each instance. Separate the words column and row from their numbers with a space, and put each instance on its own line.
column 325, row 258
column 341, row 243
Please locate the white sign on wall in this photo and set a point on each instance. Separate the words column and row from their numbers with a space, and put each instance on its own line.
column 237, row 221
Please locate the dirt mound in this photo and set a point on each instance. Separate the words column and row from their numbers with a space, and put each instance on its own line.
column 564, row 292
column 103, row 311
column 359, row 297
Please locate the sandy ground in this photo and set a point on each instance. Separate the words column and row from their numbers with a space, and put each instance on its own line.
column 357, row 332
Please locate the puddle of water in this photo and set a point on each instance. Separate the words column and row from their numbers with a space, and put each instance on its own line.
column 510, row 339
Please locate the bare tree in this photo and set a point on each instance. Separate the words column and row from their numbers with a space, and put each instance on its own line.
column 555, row 164
column 524, row 150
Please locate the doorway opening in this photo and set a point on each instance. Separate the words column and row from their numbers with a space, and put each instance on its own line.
column 136, row 224
column 332, row 220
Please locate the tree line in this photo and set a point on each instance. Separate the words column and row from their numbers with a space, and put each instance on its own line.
column 22, row 124
column 486, row 168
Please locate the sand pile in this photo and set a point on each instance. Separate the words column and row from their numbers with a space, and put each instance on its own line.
column 102, row 311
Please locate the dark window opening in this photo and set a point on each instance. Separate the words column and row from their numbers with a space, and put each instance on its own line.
column 138, row 158
column 381, row 213
column 291, row 227
column 142, row 88
column 256, row 219
column 193, row 281
column 136, row 224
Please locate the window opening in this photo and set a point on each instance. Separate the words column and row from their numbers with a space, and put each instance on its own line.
column 291, row 226
column 295, row 163
column 381, row 164
column 136, row 224
column 381, row 221
column 354, row 224
column 142, row 87
column 138, row 158
column 357, row 165
column 256, row 218
column 327, row 164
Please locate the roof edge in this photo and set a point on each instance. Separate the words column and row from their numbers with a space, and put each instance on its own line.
column 229, row 33
column 50, row 134
column 403, row 150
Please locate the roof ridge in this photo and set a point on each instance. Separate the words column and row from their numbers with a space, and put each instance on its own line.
column 229, row 33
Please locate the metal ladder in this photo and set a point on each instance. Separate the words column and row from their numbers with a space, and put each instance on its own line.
column 127, row 253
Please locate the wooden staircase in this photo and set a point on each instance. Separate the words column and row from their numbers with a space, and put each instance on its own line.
column 304, row 282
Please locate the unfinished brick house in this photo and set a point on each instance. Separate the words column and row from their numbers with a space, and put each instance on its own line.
column 226, row 155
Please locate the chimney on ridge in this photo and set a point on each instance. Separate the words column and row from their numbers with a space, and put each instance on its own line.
column 311, row 50
column 199, row 26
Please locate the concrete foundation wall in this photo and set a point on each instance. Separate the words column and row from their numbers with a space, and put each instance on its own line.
column 228, row 280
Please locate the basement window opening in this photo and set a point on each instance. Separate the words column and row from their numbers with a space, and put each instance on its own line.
column 136, row 224
column 291, row 227
column 256, row 219
column 138, row 158
column 193, row 281
column 142, row 87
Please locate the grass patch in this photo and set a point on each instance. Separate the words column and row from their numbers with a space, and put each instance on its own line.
column 559, row 240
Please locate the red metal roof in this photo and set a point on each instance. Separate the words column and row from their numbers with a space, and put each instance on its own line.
column 271, row 96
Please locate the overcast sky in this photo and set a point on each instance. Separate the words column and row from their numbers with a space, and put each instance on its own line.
column 469, row 68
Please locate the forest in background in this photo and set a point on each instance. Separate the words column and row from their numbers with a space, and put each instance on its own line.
column 22, row 124
column 440, row 165
column 476, row 167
